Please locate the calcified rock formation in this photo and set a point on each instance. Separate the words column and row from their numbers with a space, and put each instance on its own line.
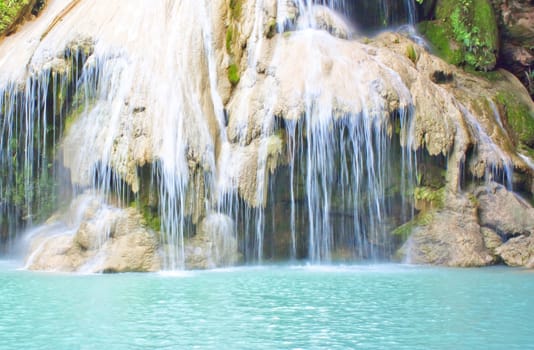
column 94, row 237
column 451, row 237
column 264, row 127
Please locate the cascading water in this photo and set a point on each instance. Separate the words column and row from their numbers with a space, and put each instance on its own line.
column 33, row 117
column 345, row 170
column 386, row 13
column 314, row 161
column 338, row 166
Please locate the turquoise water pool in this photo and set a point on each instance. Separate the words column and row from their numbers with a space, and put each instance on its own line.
column 273, row 307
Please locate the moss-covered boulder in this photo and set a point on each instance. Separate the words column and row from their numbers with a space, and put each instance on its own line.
column 464, row 33
column 12, row 12
column 519, row 117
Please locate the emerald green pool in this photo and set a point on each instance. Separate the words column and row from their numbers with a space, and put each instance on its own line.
column 271, row 307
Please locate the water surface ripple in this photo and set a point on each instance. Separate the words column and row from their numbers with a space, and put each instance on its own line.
column 280, row 307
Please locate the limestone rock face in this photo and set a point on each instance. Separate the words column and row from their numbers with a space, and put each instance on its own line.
column 54, row 253
column 518, row 251
column 491, row 239
column 100, row 239
column 214, row 245
column 504, row 212
column 135, row 251
column 452, row 238
column 490, row 226
column 507, row 218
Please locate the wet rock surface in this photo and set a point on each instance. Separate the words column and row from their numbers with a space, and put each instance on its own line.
column 214, row 245
column 504, row 212
column 100, row 239
column 451, row 238
column 518, row 251
column 491, row 225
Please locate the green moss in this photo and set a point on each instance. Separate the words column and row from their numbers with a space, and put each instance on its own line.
column 439, row 38
column 74, row 114
column 405, row 230
column 229, row 39
column 474, row 26
column 236, row 7
column 465, row 32
column 150, row 214
column 10, row 12
column 151, row 218
column 434, row 196
column 519, row 117
column 491, row 76
column 271, row 28
column 412, row 54
column 233, row 74
column 231, row 49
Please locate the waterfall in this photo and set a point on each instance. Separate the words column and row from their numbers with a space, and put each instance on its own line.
column 346, row 170
column 108, row 89
column 310, row 154
column 32, row 121
column 339, row 165
column 367, row 15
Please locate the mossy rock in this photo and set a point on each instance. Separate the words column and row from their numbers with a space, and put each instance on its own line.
column 236, row 8
column 229, row 39
column 151, row 217
column 519, row 117
column 233, row 74
column 465, row 32
column 436, row 197
column 405, row 230
column 12, row 12
column 437, row 33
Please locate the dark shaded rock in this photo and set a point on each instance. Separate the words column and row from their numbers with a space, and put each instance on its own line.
column 516, row 26
column 441, row 77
